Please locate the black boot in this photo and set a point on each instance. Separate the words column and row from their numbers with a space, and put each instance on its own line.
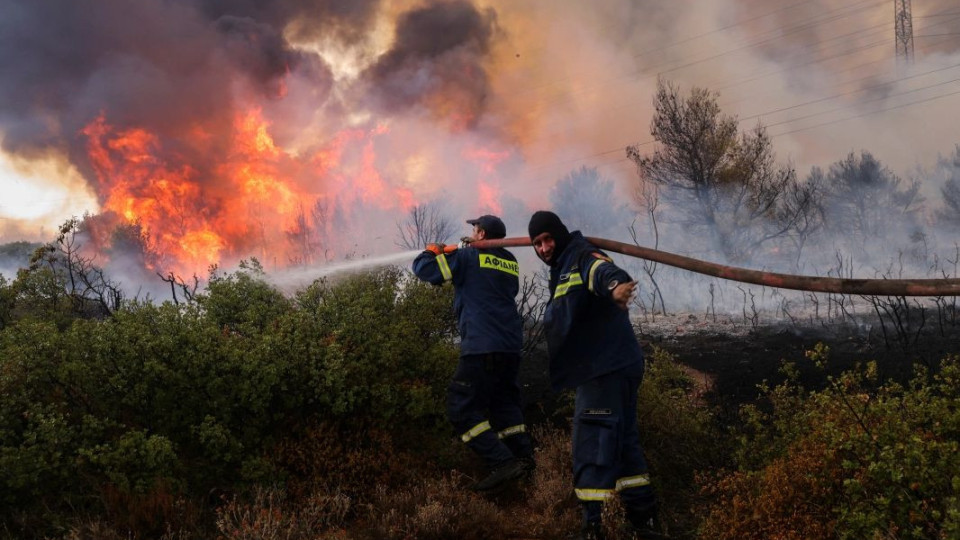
column 589, row 531
column 529, row 465
column 500, row 475
column 645, row 526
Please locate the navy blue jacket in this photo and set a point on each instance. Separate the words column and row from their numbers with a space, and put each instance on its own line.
column 588, row 335
column 485, row 284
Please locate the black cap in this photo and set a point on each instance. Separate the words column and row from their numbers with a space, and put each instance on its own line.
column 492, row 225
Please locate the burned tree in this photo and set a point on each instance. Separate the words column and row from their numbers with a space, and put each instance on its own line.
column 62, row 280
column 802, row 210
column 951, row 201
column 306, row 237
column 865, row 201
column 424, row 224
column 950, row 212
column 715, row 179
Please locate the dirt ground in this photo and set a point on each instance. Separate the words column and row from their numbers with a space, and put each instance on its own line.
column 730, row 356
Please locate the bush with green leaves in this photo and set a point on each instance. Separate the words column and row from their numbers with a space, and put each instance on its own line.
column 193, row 398
column 859, row 459
column 679, row 436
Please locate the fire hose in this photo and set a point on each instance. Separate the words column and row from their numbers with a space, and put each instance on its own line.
column 866, row 287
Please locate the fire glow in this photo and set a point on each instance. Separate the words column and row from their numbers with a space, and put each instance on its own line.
column 248, row 202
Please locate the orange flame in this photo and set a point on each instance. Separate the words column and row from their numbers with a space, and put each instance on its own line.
column 248, row 203
column 489, row 192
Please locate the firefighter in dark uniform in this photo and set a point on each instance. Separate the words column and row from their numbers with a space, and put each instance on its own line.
column 593, row 348
column 483, row 399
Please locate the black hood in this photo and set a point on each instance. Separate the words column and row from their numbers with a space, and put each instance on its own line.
column 545, row 221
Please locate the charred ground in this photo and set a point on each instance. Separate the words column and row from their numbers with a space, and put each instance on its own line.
column 729, row 358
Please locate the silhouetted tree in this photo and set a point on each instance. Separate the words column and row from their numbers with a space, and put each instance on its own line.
column 62, row 282
column 865, row 201
column 424, row 224
column 950, row 212
column 714, row 177
column 585, row 200
column 307, row 236
column 803, row 209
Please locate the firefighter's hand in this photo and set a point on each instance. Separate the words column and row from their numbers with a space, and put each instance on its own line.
column 436, row 249
column 464, row 242
column 623, row 293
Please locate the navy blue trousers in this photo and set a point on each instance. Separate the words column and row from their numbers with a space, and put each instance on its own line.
column 607, row 457
column 484, row 406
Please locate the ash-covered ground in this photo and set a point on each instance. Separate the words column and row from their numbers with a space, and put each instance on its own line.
column 729, row 356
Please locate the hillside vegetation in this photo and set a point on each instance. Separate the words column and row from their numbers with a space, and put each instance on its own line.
column 240, row 412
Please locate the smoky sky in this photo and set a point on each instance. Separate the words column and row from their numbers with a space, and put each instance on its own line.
column 169, row 65
column 347, row 19
column 438, row 49
column 157, row 64
column 834, row 35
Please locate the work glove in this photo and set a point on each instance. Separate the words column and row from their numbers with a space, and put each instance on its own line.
column 436, row 248
column 464, row 242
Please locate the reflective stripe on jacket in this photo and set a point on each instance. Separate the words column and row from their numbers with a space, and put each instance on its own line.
column 587, row 334
column 486, row 283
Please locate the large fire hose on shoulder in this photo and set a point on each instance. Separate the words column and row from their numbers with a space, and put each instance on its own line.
column 866, row 287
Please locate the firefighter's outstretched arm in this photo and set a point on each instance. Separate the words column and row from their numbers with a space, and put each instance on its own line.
column 606, row 279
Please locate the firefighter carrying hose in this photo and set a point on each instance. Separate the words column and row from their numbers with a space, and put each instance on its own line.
column 593, row 348
column 483, row 399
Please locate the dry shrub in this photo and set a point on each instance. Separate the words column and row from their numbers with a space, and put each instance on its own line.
column 783, row 501
column 269, row 516
column 543, row 506
column 330, row 457
column 151, row 513
column 98, row 529
column 95, row 530
column 551, row 510
column 439, row 509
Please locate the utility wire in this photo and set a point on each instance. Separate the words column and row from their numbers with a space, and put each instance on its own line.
column 642, row 73
column 866, row 31
column 857, row 91
column 651, row 141
column 787, row 32
column 869, row 113
column 547, row 86
column 901, row 106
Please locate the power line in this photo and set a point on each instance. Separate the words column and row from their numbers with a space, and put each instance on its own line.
column 804, row 24
column 790, row 31
column 875, row 44
column 543, row 87
column 899, row 106
column 637, row 75
column 864, row 89
column 882, row 98
column 903, row 105
column 721, row 29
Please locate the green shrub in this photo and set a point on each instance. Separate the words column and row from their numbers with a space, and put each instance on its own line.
column 242, row 301
column 856, row 460
column 678, row 434
column 159, row 401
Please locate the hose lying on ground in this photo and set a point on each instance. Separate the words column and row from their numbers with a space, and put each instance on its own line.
column 867, row 287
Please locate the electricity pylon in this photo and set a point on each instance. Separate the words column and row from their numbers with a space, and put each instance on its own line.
column 904, row 30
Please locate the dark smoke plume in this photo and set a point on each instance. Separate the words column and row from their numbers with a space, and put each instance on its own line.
column 438, row 53
column 160, row 64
